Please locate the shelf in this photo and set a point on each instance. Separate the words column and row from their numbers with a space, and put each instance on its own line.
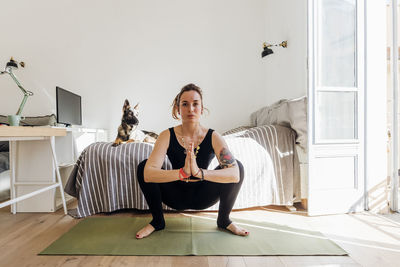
column 39, row 170
column 34, row 183
column 66, row 165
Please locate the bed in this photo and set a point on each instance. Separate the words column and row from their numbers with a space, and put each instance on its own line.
column 104, row 177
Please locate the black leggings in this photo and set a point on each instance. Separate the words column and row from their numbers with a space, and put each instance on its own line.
column 180, row 195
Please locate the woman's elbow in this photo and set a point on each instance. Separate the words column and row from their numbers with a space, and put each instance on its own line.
column 146, row 175
column 236, row 177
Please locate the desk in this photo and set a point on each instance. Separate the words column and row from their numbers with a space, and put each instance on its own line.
column 16, row 134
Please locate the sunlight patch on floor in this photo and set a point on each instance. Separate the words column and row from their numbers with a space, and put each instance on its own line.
column 364, row 238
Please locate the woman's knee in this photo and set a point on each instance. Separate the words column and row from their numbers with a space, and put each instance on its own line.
column 140, row 171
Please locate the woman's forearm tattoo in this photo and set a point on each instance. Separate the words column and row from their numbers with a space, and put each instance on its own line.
column 226, row 158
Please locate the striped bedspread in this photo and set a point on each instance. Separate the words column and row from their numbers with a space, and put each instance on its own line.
column 104, row 177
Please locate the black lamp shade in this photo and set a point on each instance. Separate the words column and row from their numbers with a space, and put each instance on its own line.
column 12, row 64
column 267, row 51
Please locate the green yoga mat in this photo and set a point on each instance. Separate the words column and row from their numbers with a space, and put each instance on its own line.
column 187, row 236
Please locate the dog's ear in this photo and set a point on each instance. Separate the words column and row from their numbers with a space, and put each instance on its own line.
column 126, row 105
column 137, row 106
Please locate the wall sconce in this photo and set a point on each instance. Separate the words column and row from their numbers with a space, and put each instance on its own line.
column 268, row 51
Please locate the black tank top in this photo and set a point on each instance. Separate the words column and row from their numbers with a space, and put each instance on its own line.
column 177, row 156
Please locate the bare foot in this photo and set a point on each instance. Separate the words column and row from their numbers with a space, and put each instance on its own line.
column 145, row 231
column 237, row 230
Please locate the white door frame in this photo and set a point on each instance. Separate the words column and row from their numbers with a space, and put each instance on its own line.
column 394, row 196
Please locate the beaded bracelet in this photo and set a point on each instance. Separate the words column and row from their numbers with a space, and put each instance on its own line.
column 185, row 177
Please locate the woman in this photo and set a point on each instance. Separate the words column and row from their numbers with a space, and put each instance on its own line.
column 190, row 148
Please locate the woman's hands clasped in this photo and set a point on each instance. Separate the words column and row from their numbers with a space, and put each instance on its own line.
column 191, row 167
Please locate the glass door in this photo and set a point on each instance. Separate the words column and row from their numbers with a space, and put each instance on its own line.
column 336, row 105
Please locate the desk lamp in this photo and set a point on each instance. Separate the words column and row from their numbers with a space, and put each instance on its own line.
column 12, row 64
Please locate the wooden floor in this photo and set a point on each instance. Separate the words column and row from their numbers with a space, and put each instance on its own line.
column 370, row 240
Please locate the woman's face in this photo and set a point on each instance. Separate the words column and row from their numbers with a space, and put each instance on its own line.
column 190, row 106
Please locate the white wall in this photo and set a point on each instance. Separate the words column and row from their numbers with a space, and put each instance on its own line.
column 286, row 69
column 146, row 51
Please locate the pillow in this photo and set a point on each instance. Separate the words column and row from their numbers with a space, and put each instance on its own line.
column 298, row 119
column 34, row 121
column 290, row 113
column 268, row 115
